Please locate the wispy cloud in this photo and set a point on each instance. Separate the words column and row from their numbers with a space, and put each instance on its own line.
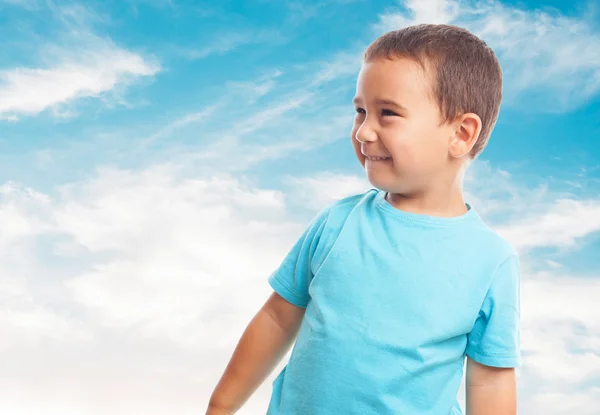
column 531, row 217
column 253, row 90
column 29, row 91
column 289, row 121
column 226, row 42
column 342, row 65
column 249, row 91
column 78, row 65
column 237, row 149
column 188, row 119
column 565, row 222
column 324, row 188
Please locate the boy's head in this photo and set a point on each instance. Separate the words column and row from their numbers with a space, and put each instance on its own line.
column 445, row 88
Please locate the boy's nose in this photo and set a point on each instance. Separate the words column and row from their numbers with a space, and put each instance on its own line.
column 364, row 135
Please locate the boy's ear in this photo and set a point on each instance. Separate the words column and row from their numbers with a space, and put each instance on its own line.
column 466, row 133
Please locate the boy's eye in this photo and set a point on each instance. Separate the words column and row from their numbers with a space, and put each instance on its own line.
column 383, row 112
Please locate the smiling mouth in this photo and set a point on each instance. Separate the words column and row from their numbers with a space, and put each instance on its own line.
column 373, row 158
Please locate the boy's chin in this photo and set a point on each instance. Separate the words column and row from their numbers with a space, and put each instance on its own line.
column 382, row 182
column 382, row 186
column 390, row 185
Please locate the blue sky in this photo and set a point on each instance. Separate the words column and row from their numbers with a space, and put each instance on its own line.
column 146, row 143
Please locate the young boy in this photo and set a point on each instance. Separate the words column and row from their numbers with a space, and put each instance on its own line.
column 389, row 291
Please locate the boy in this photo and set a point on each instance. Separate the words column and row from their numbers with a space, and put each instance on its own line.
column 389, row 291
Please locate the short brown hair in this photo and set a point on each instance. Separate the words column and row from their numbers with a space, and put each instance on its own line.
column 467, row 74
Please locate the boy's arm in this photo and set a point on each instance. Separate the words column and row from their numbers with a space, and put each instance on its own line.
column 490, row 390
column 265, row 341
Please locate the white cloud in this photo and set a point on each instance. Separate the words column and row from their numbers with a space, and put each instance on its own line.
column 227, row 42
column 139, row 268
column 530, row 218
column 194, row 118
column 563, row 223
column 251, row 91
column 299, row 136
column 580, row 402
column 167, row 260
column 25, row 322
column 76, row 64
column 16, row 210
column 320, row 190
column 83, row 73
column 560, row 339
column 341, row 65
column 422, row 11
column 292, row 119
column 550, row 61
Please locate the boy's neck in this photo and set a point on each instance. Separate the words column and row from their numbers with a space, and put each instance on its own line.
column 449, row 206
column 443, row 199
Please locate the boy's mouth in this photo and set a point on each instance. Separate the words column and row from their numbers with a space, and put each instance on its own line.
column 376, row 158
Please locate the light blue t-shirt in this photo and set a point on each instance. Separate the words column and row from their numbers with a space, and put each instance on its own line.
column 394, row 301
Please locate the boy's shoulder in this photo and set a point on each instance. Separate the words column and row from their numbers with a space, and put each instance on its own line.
column 342, row 207
column 354, row 199
column 493, row 242
column 335, row 214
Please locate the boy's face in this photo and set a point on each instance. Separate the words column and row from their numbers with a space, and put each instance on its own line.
column 408, row 135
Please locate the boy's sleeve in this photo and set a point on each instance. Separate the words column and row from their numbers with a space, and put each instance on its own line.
column 495, row 337
column 292, row 278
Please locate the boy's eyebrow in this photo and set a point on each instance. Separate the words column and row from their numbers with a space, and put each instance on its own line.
column 380, row 101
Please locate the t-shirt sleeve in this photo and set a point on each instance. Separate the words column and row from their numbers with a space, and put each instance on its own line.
column 292, row 278
column 495, row 337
